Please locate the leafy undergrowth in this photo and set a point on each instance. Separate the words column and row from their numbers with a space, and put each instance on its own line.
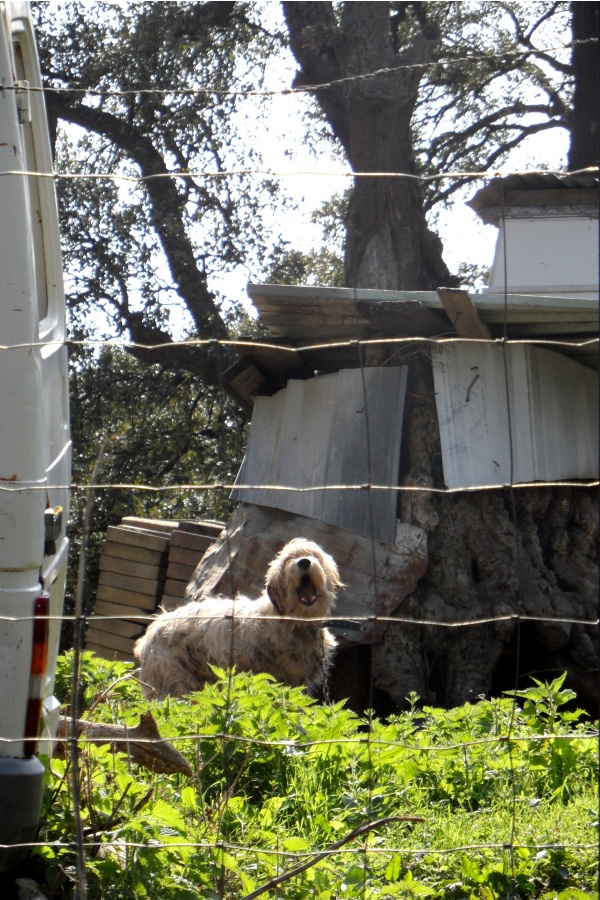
column 505, row 791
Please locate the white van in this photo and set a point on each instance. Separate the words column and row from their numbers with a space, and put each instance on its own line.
column 34, row 435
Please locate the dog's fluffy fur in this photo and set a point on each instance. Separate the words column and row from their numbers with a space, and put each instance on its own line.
column 277, row 633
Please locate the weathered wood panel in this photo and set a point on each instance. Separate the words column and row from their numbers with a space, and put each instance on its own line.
column 137, row 537
column 315, row 435
column 131, row 567
column 533, row 417
column 366, row 429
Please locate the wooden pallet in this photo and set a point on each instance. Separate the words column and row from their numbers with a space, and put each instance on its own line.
column 144, row 563
column 185, row 552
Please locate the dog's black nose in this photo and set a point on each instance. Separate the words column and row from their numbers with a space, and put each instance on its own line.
column 304, row 564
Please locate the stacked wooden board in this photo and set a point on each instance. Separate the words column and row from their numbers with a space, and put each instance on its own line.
column 188, row 544
column 144, row 563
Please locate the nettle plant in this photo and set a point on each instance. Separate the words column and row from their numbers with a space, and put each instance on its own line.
column 277, row 778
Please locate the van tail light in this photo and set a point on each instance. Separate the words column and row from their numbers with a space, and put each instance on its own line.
column 39, row 658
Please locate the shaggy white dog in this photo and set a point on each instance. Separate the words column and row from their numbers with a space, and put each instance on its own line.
column 279, row 633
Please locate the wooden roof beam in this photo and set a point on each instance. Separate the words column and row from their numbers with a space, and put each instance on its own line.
column 461, row 311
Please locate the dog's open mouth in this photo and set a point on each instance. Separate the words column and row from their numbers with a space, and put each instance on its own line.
column 307, row 593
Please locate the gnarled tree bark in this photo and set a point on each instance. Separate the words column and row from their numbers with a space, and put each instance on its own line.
column 526, row 558
column 388, row 244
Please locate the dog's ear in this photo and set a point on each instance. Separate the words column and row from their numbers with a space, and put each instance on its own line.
column 275, row 587
column 275, row 599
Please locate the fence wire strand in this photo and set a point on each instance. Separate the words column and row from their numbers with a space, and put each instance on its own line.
column 175, row 91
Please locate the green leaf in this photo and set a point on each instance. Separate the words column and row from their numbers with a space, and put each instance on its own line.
column 229, row 862
column 470, row 869
column 393, row 870
column 354, row 875
column 189, row 798
column 295, row 845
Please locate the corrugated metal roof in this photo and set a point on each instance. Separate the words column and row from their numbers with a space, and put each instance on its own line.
column 306, row 321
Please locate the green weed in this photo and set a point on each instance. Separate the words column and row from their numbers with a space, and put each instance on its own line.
column 506, row 794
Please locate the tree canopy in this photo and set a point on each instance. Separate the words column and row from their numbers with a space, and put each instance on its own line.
column 152, row 89
column 430, row 90
column 145, row 90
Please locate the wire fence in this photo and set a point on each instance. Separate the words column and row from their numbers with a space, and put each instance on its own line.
column 359, row 849
column 402, row 837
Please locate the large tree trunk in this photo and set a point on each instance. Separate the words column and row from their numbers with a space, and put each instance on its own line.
column 515, row 556
column 585, row 138
column 388, row 243
column 520, row 557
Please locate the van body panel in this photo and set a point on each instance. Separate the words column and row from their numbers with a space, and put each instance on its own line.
column 35, row 448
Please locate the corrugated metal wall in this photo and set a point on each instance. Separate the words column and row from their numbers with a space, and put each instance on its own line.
column 553, row 403
column 314, row 433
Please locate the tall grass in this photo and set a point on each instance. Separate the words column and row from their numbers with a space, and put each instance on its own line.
column 501, row 797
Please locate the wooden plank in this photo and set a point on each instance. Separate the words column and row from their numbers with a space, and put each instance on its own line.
column 136, row 537
column 186, row 557
column 112, row 641
column 163, row 526
column 127, row 583
column 123, row 611
column 110, row 654
column 131, row 568
column 178, row 572
column 245, row 380
column 462, row 313
column 188, row 541
column 131, row 630
column 138, row 554
column 174, row 588
column 130, row 598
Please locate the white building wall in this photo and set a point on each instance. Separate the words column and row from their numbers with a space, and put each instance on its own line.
column 555, row 255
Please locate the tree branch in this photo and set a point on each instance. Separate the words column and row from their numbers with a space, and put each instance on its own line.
column 165, row 204
column 143, row 743
column 312, row 29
